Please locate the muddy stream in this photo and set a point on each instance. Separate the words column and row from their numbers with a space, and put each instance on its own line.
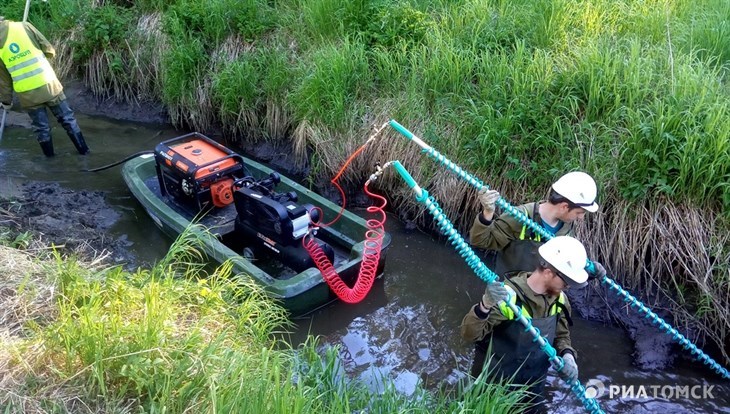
column 405, row 330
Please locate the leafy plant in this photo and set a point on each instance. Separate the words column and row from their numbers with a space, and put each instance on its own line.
column 103, row 28
column 398, row 24
column 13, row 239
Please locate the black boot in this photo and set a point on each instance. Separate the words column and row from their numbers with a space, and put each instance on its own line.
column 47, row 147
column 79, row 142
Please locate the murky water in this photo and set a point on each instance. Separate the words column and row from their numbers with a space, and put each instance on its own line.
column 407, row 328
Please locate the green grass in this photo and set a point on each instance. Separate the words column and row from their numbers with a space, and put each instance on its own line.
column 336, row 77
column 175, row 339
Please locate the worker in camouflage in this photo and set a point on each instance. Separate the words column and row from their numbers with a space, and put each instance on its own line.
column 511, row 245
column 503, row 346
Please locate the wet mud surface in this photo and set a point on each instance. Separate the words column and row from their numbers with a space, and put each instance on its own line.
column 653, row 349
column 75, row 221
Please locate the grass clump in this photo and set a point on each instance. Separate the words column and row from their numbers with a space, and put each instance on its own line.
column 339, row 74
column 169, row 339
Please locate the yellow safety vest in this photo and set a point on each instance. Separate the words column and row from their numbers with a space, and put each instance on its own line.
column 509, row 314
column 27, row 65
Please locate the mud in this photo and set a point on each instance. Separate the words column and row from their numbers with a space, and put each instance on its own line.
column 74, row 221
column 653, row 349
column 83, row 101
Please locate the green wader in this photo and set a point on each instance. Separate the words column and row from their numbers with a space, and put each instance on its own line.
column 515, row 353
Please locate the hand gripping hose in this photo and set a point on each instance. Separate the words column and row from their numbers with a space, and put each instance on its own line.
column 483, row 272
column 368, row 265
column 613, row 285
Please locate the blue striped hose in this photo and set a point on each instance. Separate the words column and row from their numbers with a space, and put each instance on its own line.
column 483, row 272
column 613, row 285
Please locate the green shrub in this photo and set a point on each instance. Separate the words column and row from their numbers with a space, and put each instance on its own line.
column 212, row 21
column 398, row 24
column 104, row 28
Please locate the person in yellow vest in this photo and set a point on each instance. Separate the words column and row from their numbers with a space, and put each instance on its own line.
column 511, row 246
column 25, row 70
column 492, row 327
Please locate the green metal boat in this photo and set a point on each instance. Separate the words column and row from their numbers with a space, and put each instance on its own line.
column 300, row 292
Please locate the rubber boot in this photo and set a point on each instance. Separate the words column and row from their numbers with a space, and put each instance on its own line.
column 47, row 147
column 78, row 139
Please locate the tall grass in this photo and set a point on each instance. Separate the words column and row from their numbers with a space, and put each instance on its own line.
column 249, row 93
column 174, row 339
column 333, row 80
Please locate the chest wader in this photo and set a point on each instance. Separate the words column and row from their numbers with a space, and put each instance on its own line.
column 516, row 358
column 515, row 353
column 520, row 255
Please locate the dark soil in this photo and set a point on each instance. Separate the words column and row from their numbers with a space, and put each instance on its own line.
column 83, row 101
column 74, row 221
column 653, row 349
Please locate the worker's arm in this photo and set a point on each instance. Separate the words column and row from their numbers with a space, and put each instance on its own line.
column 485, row 315
column 497, row 233
column 40, row 41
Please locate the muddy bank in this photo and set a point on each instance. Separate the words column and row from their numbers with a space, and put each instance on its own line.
column 81, row 100
column 653, row 349
column 75, row 221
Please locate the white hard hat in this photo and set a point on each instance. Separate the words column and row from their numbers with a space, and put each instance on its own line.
column 569, row 257
column 580, row 188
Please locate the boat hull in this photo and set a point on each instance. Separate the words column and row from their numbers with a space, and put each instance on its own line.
column 301, row 293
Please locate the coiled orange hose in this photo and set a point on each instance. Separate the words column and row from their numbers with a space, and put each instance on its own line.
column 370, row 257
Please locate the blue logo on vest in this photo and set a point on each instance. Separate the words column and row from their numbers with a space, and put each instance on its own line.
column 14, row 48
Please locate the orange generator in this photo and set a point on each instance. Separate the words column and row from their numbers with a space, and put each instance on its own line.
column 196, row 170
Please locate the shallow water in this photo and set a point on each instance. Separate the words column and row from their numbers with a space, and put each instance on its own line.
column 407, row 328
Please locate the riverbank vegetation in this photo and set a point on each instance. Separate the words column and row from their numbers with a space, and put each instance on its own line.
column 517, row 92
column 80, row 337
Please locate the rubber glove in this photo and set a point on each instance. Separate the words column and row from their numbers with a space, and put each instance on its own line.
column 6, row 106
column 488, row 200
column 570, row 368
column 494, row 292
column 598, row 271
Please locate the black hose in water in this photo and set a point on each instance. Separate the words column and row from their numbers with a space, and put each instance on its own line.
column 105, row 167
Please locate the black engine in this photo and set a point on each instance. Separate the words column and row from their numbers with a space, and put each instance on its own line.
column 272, row 223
